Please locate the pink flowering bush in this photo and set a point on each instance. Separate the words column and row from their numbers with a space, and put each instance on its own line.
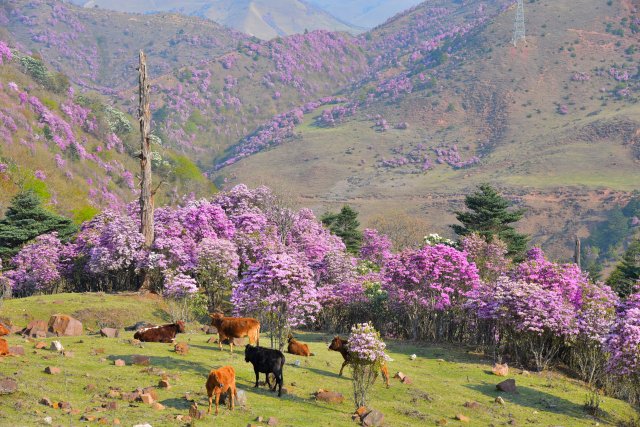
column 218, row 264
column 375, row 247
column 279, row 290
column 368, row 355
column 623, row 345
column 490, row 258
column 5, row 52
column 179, row 286
column 37, row 267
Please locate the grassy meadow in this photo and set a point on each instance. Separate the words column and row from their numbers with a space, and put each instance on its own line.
column 443, row 378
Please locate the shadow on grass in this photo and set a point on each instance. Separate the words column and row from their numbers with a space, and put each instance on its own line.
column 539, row 400
column 166, row 362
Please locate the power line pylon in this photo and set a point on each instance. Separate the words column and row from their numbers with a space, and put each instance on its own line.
column 519, row 32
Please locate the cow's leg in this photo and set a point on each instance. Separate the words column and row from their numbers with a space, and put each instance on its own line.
column 217, row 402
column 269, row 382
column 255, row 369
column 210, row 403
column 280, row 380
column 385, row 374
column 231, row 345
column 232, row 392
column 345, row 363
column 220, row 341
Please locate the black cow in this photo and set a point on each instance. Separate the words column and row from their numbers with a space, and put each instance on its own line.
column 267, row 361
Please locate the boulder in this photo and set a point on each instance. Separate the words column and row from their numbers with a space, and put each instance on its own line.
column 472, row 405
column 119, row 362
column 8, row 385
column 241, row 400
column 500, row 400
column 462, row 418
column 36, row 329
column 109, row 332
column 164, row 383
column 182, row 348
column 272, row 421
column 500, row 370
column 4, row 347
column 157, row 406
column 508, row 386
column 40, row 345
column 46, row 402
column 138, row 359
column 210, row 330
column 16, row 350
column 52, row 370
column 56, row 346
column 373, row 419
column 68, row 353
column 65, row 326
column 146, row 398
column 329, row 396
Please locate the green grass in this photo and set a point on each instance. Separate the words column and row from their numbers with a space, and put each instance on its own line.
column 444, row 378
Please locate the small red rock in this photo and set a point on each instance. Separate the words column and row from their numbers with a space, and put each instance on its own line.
column 119, row 362
column 52, row 370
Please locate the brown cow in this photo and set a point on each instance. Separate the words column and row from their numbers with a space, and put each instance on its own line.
column 164, row 333
column 220, row 381
column 4, row 330
column 298, row 348
column 338, row 344
column 4, row 347
column 235, row 327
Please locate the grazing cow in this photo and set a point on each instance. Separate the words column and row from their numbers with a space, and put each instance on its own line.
column 221, row 381
column 340, row 345
column 4, row 347
column 4, row 330
column 298, row 348
column 235, row 327
column 164, row 333
column 267, row 361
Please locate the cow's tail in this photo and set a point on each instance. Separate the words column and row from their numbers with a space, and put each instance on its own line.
column 258, row 335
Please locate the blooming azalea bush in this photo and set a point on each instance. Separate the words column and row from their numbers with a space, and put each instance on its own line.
column 368, row 355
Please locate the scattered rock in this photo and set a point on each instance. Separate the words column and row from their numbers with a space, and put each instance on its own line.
column 195, row 413
column 164, row 383
column 103, row 420
column 209, row 330
column 329, row 396
column 119, row 362
column 146, row 399
column 56, row 346
column 14, row 329
column 40, row 345
column 413, row 357
column 500, row 370
column 400, row 376
column 440, row 360
column 110, row 406
column 46, row 402
column 138, row 359
column 130, row 397
column 373, row 419
column 157, row 406
column 462, row 418
column 89, row 418
column 150, row 391
column 65, row 326
column 285, row 390
column 114, row 393
column 182, row 348
column 52, row 370
column 36, row 329
column 64, row 406
column 500, row 400
column 241, row 399
column 116, row 421
column 472, row 405
column 272, row 421
column 508, row 386
column 109, row 332
column 8, row 385
column 16, row 350
column 361, row 411
column 442, row 422
column 184, row 418
column 48, row 420
column 406, row 380
column 259, row 419
column 68, row 353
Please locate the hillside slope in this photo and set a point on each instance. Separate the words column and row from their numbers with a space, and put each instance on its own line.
column 364, row 13
column 553, row 123
column 76, row 151
column 264, row 19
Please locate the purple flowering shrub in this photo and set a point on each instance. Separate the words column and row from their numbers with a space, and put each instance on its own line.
column 281, row 292
column 37, row 267
column 368, row 354
column 490, row 258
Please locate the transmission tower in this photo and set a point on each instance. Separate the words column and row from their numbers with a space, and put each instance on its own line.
column 518, row 32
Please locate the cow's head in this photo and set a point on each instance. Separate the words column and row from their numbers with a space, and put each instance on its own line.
column 289, row 338
column 248, row 351
column 180, row 325
column 216, row 317
column 336, row 343
column 217, row 381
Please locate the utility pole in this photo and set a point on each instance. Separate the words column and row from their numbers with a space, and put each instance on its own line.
column 146, row 195
column 519, row 31
column 576, row 253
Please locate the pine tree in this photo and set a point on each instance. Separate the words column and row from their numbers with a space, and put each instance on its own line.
column 625, row 277
column 488, row 215
column 345, row 225
column 26, row 219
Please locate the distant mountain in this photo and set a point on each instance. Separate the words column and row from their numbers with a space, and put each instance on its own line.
column 264, row 19
column 364, row 13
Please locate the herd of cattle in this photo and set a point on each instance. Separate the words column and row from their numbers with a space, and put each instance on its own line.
column 264, row 360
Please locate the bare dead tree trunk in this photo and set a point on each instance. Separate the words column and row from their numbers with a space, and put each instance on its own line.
column 576, row 254
column 146, row 194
